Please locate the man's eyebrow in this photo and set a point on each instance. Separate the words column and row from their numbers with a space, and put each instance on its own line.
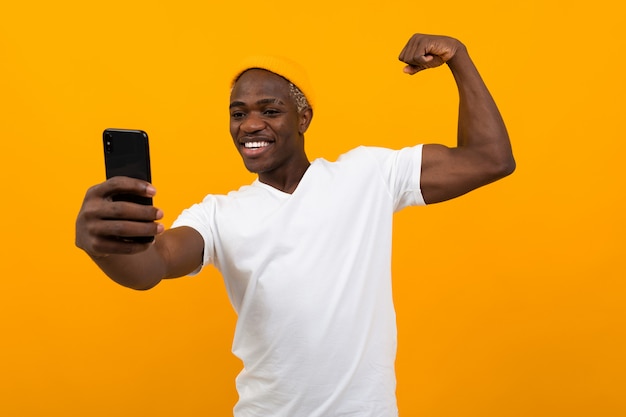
column 270, row 101
column 236, row 104
column 260, row 102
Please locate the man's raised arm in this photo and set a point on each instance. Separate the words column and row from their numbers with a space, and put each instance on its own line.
column 483, row 152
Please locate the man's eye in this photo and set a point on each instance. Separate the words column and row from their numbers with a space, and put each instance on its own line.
column 271, row 112
column 237, row 115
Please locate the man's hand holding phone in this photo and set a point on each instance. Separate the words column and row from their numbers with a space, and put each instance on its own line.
column 107, row 226
column 117, row 216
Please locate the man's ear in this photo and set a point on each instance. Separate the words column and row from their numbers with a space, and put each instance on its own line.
column 305, row 120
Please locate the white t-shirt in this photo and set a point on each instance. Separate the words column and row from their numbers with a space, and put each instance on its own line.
column 309, row 275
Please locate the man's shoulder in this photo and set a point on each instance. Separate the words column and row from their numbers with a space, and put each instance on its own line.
column 367, row 154
column 355, row 164
column 242, row 193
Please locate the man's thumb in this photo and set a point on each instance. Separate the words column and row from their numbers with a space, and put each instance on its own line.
column 411, row 69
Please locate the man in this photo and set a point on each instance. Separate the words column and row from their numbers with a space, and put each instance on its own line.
column 305, row 250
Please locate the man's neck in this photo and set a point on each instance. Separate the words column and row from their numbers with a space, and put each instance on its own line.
column 287, row 182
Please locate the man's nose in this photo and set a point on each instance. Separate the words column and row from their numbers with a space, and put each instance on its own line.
column 252, row 123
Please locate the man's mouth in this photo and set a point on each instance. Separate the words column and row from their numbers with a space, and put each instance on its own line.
column 256, row 145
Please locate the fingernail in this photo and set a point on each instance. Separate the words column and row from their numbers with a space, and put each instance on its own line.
column 159, row 214
column 150, row 190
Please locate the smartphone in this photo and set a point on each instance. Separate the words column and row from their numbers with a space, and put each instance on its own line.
column 127, row 153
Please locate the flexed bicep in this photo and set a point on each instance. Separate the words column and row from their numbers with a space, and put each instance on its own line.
column 451, row 172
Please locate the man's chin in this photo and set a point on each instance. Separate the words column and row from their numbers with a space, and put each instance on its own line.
column 254, row 168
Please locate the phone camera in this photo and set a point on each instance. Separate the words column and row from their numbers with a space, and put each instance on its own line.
column 108, row 145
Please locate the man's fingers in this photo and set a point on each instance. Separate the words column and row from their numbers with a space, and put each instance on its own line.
column 113, row 236
column 122, row 185
column 422, row 63
column 126, row 228
column 113, row 210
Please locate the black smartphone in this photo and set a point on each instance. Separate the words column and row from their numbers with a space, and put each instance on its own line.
column 127, row 153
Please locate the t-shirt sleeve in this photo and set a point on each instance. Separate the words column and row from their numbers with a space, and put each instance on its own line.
column 200, row 217
column 401, row 170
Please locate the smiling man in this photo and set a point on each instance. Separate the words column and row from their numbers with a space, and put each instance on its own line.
column 266, row 124
column 305, row 250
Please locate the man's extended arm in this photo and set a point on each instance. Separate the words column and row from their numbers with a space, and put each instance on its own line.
column 102, row 224
column 483, row 153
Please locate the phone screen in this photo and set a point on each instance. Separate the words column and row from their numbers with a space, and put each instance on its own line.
column 127, row 154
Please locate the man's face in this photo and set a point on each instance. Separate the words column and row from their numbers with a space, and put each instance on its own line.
column 265, row 124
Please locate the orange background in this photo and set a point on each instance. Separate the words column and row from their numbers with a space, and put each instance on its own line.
column 510, row 300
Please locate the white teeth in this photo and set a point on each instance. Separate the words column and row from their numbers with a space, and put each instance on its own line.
column 255, row 144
